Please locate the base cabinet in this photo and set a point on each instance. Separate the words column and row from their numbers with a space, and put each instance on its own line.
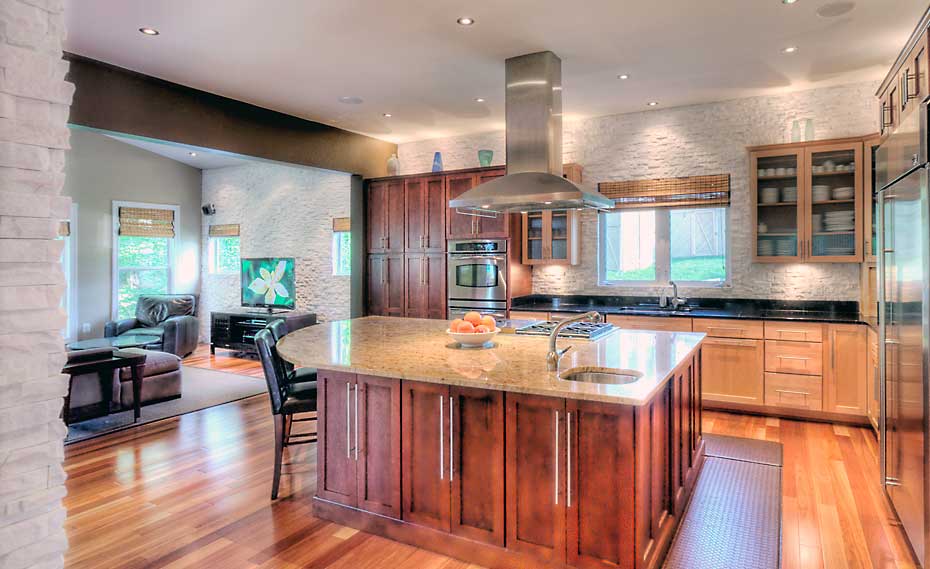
column 844, row 378
column 733, row 370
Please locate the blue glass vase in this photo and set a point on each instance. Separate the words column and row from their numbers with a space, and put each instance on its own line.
column 485, row 157
column 437, row 162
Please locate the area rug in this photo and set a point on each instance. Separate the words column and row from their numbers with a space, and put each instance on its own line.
column 734, row 519
column 200, row 388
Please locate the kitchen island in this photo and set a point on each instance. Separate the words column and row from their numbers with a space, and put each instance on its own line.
column 487, row 456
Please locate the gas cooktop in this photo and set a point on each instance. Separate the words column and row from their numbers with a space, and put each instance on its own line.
column 585, row 330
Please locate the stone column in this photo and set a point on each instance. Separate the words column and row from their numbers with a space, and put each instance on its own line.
column 34, row 103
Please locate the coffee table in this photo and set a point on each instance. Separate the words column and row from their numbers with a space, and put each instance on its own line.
column 126, row 341
column 104, row 366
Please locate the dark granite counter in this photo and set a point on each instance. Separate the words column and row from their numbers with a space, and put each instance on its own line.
column 841, row 312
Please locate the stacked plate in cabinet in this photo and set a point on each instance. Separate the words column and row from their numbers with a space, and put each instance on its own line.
column 844, row 193
column 834, row 221
column 784, row 247
column 820, row 193
column 766, row 248
column 769, row 195
column 789, row 194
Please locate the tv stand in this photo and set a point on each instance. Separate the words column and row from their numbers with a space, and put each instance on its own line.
column 235, row 330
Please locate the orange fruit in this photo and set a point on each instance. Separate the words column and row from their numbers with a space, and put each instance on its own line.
column 454, row 325
column 482, row 329
column 466, row 328
column 489, row 323
column 473, row 317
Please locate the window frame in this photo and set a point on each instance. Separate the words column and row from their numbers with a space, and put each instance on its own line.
column 114, row 266
column 663, row 252
column 211, row 255
column 69, row 269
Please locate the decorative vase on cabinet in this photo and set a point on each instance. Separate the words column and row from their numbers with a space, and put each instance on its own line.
column 393, row 165
column 485, row 157
column 437, row 162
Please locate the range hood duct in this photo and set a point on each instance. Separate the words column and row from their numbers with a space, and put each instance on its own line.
column 534, row 147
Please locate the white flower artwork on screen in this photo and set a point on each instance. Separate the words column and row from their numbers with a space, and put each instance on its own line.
column 269, row 283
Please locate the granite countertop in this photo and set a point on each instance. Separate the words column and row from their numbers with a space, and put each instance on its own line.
column 420, row 350
column 841, row 312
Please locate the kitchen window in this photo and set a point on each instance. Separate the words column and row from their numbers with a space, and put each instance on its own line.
column 143, row 255
column 650, row 247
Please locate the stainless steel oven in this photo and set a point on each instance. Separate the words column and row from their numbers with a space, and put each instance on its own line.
column 477, row 278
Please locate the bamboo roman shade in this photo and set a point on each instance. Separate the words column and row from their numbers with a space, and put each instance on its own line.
column 146, row 222
column 690, row 191
column 342, row 224
column 225, row 230
column 64, row 228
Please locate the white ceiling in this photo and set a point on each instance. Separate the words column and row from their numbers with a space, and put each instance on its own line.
column 410, row 58
column 205, row 158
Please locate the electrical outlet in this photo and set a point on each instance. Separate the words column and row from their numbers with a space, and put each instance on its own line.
column 85, row 328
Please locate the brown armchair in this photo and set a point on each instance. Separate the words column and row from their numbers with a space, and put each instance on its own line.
column 168, row 318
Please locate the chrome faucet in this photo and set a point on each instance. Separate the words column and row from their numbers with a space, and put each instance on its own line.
column 552, row 358
column 676, row 301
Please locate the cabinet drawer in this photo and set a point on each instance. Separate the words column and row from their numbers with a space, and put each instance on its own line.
column 794, row 331
column 804, row 358
column 794, row 391
column 726, row 328
column 668, row 324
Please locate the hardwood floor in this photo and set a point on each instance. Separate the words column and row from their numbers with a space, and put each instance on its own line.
column 193, row 491
column 224, row 360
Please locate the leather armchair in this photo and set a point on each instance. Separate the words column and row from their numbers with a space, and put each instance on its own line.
column 168, row 318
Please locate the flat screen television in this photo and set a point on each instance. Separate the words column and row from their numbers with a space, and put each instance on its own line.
column 268, row 282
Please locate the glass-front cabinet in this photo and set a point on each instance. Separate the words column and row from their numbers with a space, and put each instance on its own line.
column 776, row 204
column 808, row 202
column 551, row 237
column 869, row 199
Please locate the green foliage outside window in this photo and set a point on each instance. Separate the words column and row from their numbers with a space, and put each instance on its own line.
column 143, row 269
column 342, row 253
column 224, row 255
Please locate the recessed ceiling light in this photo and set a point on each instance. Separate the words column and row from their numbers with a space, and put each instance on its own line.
column 192, row 154
column 149, row 31
column 351, row 100
column 789, row 49
column 548, row 203
column 485, row 207
column 623, row 76
column 652, row 103
column 386, row 115
column 465, row 21
column 788, row 1
column 479, row 99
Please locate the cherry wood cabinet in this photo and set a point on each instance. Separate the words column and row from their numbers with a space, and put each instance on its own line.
column 425, row 276
column 425, row 466
column 386, row 216
column 845, row 373
column 425, row 216
column 359, row 441
column 463, row 226
column 386, row 285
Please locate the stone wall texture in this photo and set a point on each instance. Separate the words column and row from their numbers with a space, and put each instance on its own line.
column 685, row 141
column 34, row 104
column 282, row 211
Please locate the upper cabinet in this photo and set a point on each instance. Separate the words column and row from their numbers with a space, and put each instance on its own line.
column 386, row 206
column 552, row 237
column 906, row 84
column 807, row 202
column 467, row 226
column 425, row 207
column 869, row 201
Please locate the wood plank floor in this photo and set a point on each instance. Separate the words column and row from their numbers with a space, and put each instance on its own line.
column 193, row 491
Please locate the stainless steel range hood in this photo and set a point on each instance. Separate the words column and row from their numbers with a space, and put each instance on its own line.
column 534, row 147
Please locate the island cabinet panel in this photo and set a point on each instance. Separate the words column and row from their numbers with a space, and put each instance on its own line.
column 535, row 488
column 378, row 428
column 599, row 473
column 337, row 473
column 425, row 468
column 476, row 470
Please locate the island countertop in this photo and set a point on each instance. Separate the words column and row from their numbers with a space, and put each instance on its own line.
column 420, row 350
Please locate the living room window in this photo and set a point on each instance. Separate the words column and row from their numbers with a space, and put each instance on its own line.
column 144, row 235
column 223, row 250
column 342, row 253
column 654, row 246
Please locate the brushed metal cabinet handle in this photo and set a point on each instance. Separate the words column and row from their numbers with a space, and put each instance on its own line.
column 556, row 456
column 568, row 468
column 356, row 421
column 451, row 444
column 442, row 452
column 348, row 423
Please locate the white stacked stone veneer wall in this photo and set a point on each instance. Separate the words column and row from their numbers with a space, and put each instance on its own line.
column 34, row 105
column 685, row 141
column 282, row 211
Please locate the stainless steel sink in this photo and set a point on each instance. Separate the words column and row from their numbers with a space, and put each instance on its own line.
column 602, row 375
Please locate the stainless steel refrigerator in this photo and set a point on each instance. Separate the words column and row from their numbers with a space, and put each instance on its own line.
column 904, row 323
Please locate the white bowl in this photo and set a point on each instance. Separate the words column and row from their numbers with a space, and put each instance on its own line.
column 473, row 339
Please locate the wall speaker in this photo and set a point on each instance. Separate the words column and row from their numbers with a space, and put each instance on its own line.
column 208, row 209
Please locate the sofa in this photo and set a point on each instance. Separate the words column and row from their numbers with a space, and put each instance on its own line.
column 168, row 318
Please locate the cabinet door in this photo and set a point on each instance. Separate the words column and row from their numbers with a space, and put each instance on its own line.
column 394, row 220
column 377, row 285
column 492, row 227
column 377, row 428
column 845, row 388
column 777, row 192
column 415, row 215
column 536, row 476
column 395, row 290
column 534, row 250
column 599, row 474
column 871, row 185
column 425, row 448
column 336, row 464
column 414, row 271
column 434, row 231
column 872, row 378
column 377, row 217
column 435, row 274
column 833, row 208
column 732, row 370
column 459, row 226
column 476, row 469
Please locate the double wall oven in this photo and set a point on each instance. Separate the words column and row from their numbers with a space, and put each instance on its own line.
column 477, row 277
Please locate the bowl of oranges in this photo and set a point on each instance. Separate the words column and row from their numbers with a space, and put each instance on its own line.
column 473, row 330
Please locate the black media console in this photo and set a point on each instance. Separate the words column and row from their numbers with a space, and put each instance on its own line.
column 236, row 330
